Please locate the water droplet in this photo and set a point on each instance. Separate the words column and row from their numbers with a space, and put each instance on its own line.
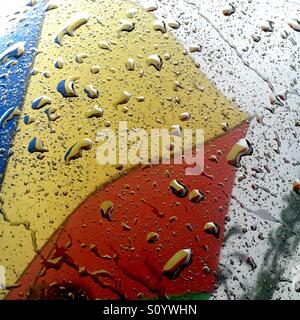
column 131, row 13
column 40, row 102
column 176, row 263
column 125, row 226
column 196, row 196
column 225, row 126
column 267, row 26
column 28, row 120
column 4, row 76
column 140, row 99
column 59, row 64
column 50, row 6
column 94, row 111
column 66, row 87
column 177, row 85
column 11, row 63
column 178, row 188
column 50, row 112
column 123, row 98
column 152, row 237
column 174, row 24
column 31, row 3
column 91, row 92
column 46, row 74
column 294, row 24
column 214, row 158
column 212, row 228
column 71, row 27
column 95, row 69
column 228, row 10
column 255, row 38
column 185, row 116
column 175, row 130
column 80, row 57
column 284, row 34
column 14, row 51
column 250, row 261
column 296, row 186
column 75, row 151
column 105, row 45
column 160, row 25
column 9, row 115
column 155, row 60
column 34, row 72
column 126, row 25
column 195, row 48
column 106, row 209
column 130, row 64
column 240, row 149
column 151, row 7
column 37, row 145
